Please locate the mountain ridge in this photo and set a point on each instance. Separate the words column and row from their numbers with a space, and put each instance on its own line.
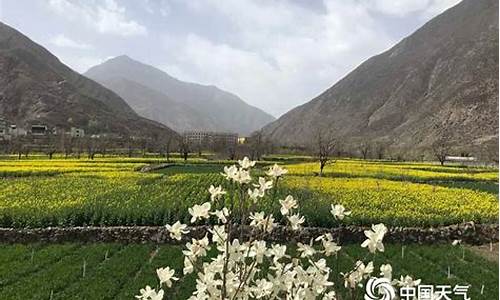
column 36, row 87
column 438, row 82
column 221, row 110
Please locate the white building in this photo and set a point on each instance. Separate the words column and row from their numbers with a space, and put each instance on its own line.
column 77, row 132
column 16, row 131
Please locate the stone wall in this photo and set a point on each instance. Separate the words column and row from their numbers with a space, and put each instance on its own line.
column 468, row 232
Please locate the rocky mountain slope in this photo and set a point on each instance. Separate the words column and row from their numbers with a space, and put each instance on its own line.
column 35, row 87
column 438, row 84
column 197, row 107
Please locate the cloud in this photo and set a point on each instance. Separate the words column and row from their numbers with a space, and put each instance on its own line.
column 277, row 56
column 398, row 8
column 104, row 16
column 438, row 6
column 62, row 41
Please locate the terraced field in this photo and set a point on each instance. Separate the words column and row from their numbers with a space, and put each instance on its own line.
column 40, row 193
column 117, row 271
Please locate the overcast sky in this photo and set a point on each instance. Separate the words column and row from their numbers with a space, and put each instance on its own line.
column 273, row 54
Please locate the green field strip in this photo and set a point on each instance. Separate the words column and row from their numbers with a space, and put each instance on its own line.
column 17, row 270
column 463, row 272
column 56, row 276
column 91, row 269
column 109, row 278
column 16, row 252
column 170, row 256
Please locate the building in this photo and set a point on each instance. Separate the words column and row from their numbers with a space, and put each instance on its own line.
column 210, row 137
column 77, row 132
column 4, row 129
column 39, row 129
column 16, row 131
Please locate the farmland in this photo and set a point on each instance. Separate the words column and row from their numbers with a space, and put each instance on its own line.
column 110, row 191
column 117, row 271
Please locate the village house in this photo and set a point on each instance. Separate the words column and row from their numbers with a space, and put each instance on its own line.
column 210, row 137
column 77, row 132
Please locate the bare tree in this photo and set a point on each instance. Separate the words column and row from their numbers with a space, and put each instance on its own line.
column 168, row 146
column 258, row 145
column 184, row 147
column 441, row 150
column 51, row 145
column 324, row 147
column 380, row 149
column 91, row 147
column 364, row 149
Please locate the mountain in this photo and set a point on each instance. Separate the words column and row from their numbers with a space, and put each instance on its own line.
column 154, row 105
column 35, row 87
column 198, row 107
column 438, row 84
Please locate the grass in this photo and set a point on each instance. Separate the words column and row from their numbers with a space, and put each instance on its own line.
column 118, row 271
column 110, row 191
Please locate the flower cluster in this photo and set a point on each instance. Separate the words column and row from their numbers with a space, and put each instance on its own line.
column 251, row 267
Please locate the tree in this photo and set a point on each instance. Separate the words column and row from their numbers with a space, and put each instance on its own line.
column 258, row 145
column 91, row 148
column 51, row 145
column 184, row 147
column 441, row 150
column 380, row 148
column 364, row 149
column 324, row 146
column 168, row 146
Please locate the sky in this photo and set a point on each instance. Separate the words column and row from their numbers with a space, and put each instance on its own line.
column 274, row 54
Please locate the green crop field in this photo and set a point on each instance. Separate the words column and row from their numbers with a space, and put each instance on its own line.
column 111, row 191
column 117, row 271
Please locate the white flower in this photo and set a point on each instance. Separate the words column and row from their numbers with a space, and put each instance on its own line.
column 197, row 247
column 263, row 184
column 177, row 230
column 330, row 247
column 246, row 163
column 330, row 296
column 188, row 266
column 352, row 279
column 255, row 194
column 199, row 211
column 260, row 221
column 148, row 293
column 242, row 176
column 166, row 275
column 257, row 218
column 406, row 281
column 215, row 192
column 456, row 242
column 288, row 204
column 158, row 296
column 277, row 252
column 365, row 271
column 375, row 236
column 262, row 288
column 296, row 221
column 339, row 212
column 222, row 214
column 219, row 234
column 386, row 271
column 230, row 172
column 306, row 250
column 276, row 171
column 258, row 250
